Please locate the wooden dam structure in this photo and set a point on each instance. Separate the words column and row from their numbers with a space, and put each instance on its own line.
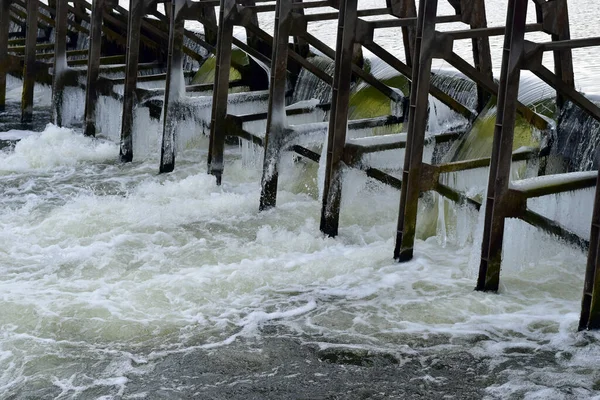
column 140, row 38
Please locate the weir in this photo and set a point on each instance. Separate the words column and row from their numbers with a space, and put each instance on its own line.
column 148, row 42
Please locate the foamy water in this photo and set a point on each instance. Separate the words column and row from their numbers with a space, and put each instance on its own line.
column 118, row 283
column 107, row 269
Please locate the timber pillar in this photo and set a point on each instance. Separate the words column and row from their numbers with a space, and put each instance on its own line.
column 4, row 63
column 134, row 26
column 556, row 22
column 173, row 90
column 227, row 15
column 93, row 65
column 590, row 303
column 417, row 124
column 497, row 200
column 29, row 68
column 276, row 118
column 338, row 120
column 60, row 60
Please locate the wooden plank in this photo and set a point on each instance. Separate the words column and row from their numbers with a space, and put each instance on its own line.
column 338, row 120
column 498, row 205
column 29, row 69
column 136, row 14
column 93, row 67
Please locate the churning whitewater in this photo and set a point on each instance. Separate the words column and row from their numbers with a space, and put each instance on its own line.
column 120, row 283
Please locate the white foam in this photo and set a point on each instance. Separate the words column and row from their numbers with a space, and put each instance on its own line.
column 55, row 147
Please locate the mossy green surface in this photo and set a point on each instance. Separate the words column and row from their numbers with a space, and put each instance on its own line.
column 368, row 102
column 477, row 143
column 206, row 73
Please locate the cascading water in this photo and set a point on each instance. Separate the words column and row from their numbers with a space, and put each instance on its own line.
column 576, row 140
column 118, row 283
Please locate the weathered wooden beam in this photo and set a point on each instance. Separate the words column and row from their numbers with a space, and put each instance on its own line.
column 492, row 87
column 29, row 69
column 334, row 15
column 405, row 70
column 4, row 62
column 254, row 74
column 60, row 60
column 417, row 124
column 227, row 12
column 566, row 90
column 473, row 13
column 491, row 31
column 356, row 70
column 406, row 9
column 499, row 204
column 134, row 26
column 554, row 184
column 93, row 69
column 173, row 91
column 555, row 16
column 336, row 137
column 590, row 303
column 276, row 115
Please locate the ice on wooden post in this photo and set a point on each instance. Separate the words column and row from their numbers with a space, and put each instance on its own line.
column 60, row 61
column 29, row 65
column 93, row 67
column 218, row 127
column 336, row 139
column 276, row 118
column 136, row 14
column 4, row 26
column 174, row 90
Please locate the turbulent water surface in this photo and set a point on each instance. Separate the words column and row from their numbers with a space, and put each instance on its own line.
column 119, row 283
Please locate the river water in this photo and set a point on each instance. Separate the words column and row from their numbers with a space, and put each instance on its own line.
column 118, row 283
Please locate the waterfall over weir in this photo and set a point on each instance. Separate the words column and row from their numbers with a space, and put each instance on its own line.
column 277, row 275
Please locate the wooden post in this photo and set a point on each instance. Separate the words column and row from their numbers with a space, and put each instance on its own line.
column 590, row 304
column 556, row 22
column 173, row 91
column 405, row 9
column 60, row 60
column 134, row 26
column 498, row 206
column 227, row 12
column 255, row 76
column 276, row 122
column 210, row 34
column 417, row 124
column 93, row 67
column 473, row 12
column 301, row 47
column 4, row 25
column 29, row 66
column 338, row 121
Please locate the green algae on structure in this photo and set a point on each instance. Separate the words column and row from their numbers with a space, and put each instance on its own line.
column 368, row 102
column 206, row 73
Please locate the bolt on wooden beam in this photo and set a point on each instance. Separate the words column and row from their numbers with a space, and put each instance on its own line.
column 338, row 120
column 134, row 26
column 60, row 60
column 227, row 14
column 498, row 205
column 4, row 26
column 29, row 69
column 276, row 115
column 93, row 67
column 417, row 124
column 174, row 89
